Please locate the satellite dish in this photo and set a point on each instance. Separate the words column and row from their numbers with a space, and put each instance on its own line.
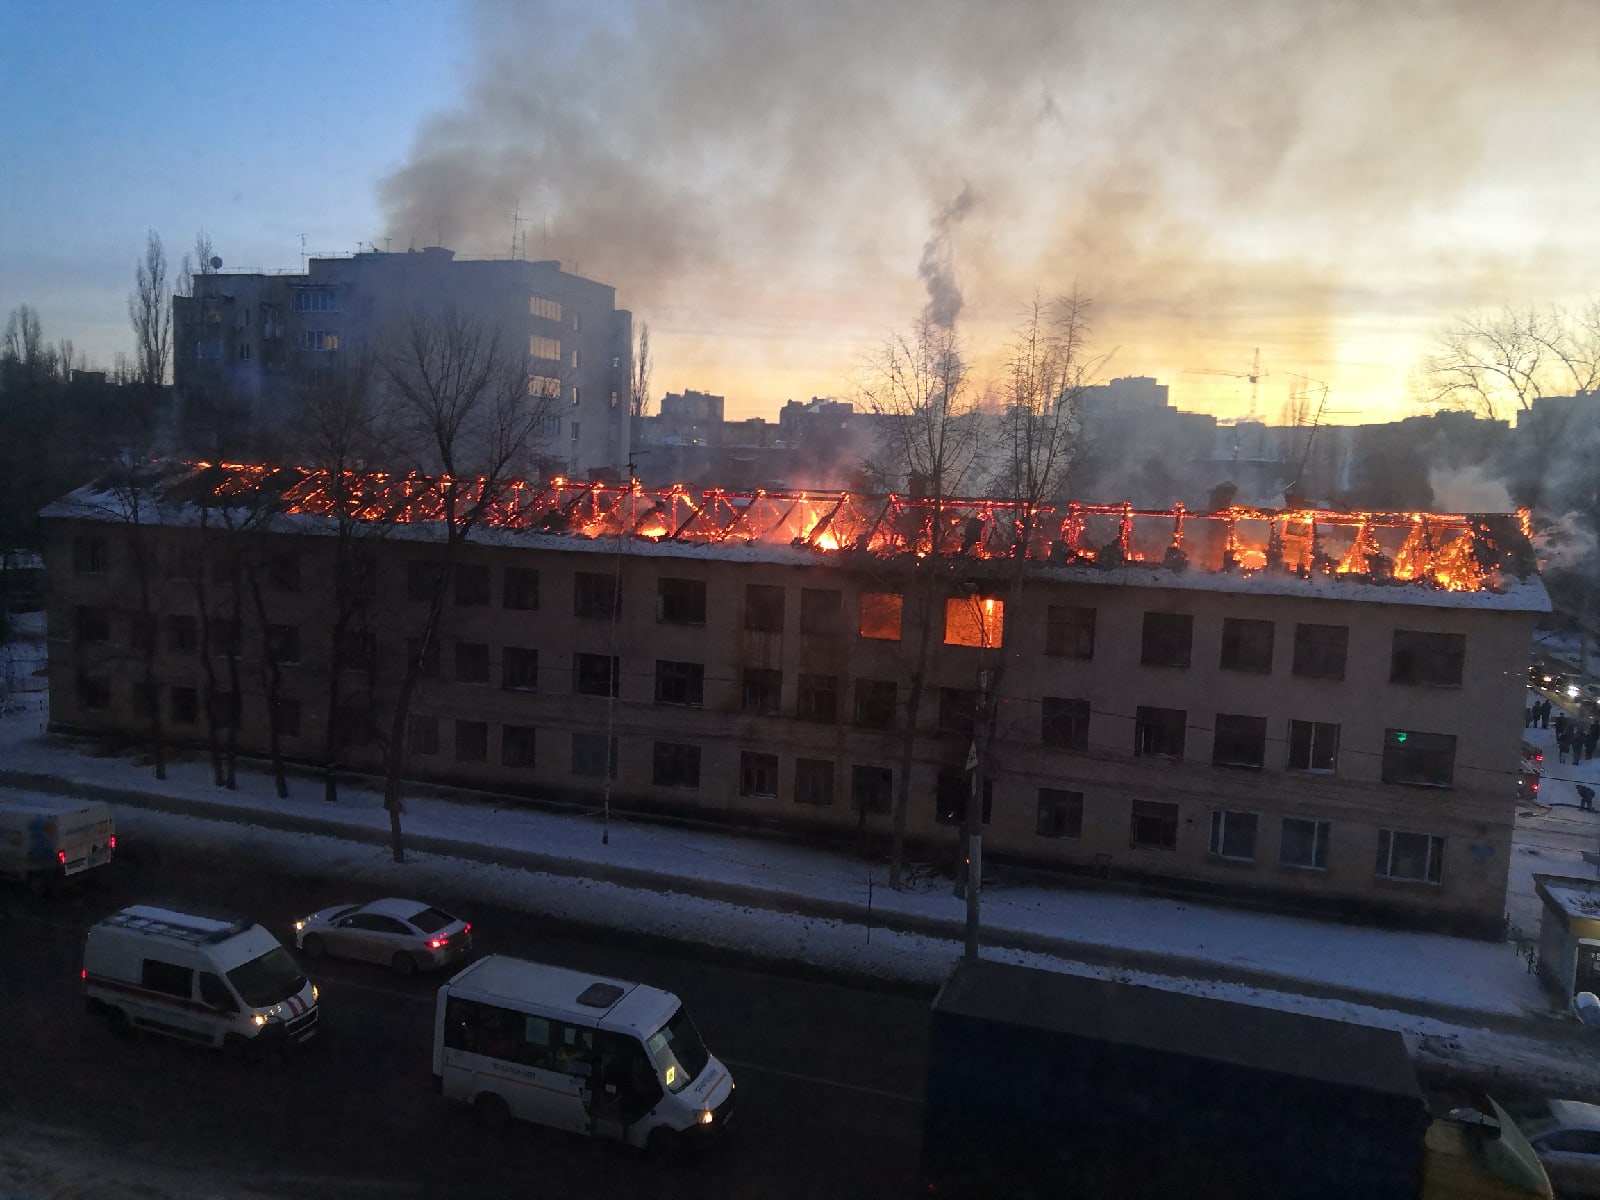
column 216, row 263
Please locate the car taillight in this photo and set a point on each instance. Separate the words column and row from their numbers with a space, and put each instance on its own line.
column 467, row 928
column 112, row 844
column 437, row 943
column 61, row 857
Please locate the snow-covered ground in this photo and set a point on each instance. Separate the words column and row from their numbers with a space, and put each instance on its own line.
column 1467, row 1004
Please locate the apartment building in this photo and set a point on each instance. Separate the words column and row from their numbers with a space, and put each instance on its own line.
column 252, row 342
column 1236, row 705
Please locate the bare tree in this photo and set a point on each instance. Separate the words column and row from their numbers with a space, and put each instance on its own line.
column 24, row 341
column 150, row 310
column 345, row 430
column 918, row 391
column 470, row 421
column 196, row 262
column 639, row 392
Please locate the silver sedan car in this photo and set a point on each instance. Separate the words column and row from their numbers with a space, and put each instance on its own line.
column 408, row 935
column 1565, row 1134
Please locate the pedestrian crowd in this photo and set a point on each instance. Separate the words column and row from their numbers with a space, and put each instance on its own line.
column 1575, row 737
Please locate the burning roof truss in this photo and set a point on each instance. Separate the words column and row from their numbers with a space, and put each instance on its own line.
column 1453, row 552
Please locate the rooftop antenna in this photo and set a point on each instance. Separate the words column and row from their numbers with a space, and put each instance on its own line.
column 386, row 245
column 302, row 254
column 517, row 220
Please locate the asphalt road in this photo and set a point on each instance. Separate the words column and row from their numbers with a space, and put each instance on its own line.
column 829, row 1075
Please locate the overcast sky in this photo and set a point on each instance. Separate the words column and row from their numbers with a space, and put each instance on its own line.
column 775, row 187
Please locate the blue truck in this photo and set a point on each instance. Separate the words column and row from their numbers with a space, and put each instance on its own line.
column 1045, row 1085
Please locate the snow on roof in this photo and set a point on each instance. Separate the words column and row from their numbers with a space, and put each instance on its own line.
column 1575, row 898
column 1430, row 559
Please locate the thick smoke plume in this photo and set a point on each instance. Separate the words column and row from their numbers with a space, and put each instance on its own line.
column 758, row 178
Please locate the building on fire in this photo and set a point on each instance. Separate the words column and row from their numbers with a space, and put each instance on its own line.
column 1313, row 709
column 250, row 342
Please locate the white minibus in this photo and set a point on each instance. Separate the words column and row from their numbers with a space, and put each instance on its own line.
column 577, row 1052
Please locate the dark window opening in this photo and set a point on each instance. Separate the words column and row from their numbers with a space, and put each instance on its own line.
column 1432, row 659
column 681, row 601
column 821, row 611
column 595, row 674
column 1319, row 650
column 1246, row 645
column 595, row 595
column 1167, row 639
column 813, row 782
column 519, row 588
column 1418, row 759
column 1159, row 732
column 1154, row 826
column 680, row 683
column 763, row 607
column 817, row 698
column 758, row 774
column 1064, row 723
column 871, row 789
column 1239, row 741
column 1313, row 746
column 519, row 669
column 1069, row 631
column 1060, row 814
column 762, row 692
column 875, row 703
column 517, row 748
column 675, row 764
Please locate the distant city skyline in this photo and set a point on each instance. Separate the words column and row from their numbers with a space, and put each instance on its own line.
column 776, row 190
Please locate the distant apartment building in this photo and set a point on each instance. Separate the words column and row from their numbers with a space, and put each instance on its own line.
column 817, row 444
column 1313, row 710
column 252, row 342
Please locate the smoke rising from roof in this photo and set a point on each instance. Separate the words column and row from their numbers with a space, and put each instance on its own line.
column 760, row 180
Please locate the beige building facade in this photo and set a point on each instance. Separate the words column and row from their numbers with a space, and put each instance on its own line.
column 1341, row 745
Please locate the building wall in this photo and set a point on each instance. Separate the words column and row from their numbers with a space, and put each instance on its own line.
column 95, row 687
column 241, row 341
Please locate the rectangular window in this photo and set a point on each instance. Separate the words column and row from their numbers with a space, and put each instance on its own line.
column 820, row 610
column 817, row 698
column 1319, row 650
column 91, row 625
column 1064, row 723
column 1313, row 746
column 286, row 711
column 182, row 634
column 958, row 711
column 681, row 601
column 680, row 683
column 1434, row 659
column 423, row 580
column 517, row 746
column 575, row 425
column 576, row 359
column 547, row 348
column 880, row 615
column 1154, row 826
column 283, row 643
column 143, row 631
column 1419, row 759
column 545, row 388
column 424, row 661
column 185, row 705
column 675, row 764
column 1069, row 631
column 974, row 621
column 543, row 306
column 763, row 691
column 204, row 348
column 88, row 556
column 224, row 637
column 245, row 352
column 422, row 734
column 595, row 674
column 319, row 340
column 283, row 572
column 315, row 300
column 594, row 756
column 225, row 708
column 1167, row 639
column 167, row 978
column 1246, row 645
column 472, row 585
column 1304, row 843
column 472, row 741
column 875, row 703
column 575, row 397
column 1233, row 835
column 813, row 782
column 1158, row 732
column 871, row 789
column 763, row 607
column 1414, row 857
column 472, row 662
column 519, row 669
column 758, row 774
column 1060, row 814
column 519, row 588
column 94, row 692
column 1239, row 741
column 952, row 789
column 595, row 595
column 354, row 725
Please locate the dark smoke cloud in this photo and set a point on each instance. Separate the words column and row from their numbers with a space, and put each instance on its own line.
column 762, row 179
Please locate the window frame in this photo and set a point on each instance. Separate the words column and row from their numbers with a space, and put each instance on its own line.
column 1067, row 634
column 1320, row 832
column 815, row 782
column 1314, row 737
column 761, row 692
column 1166, row 639
column 758, row 774
column 680, row 601
column 1219, row 845
column 1406, row 753
column 1154, row 729
column 1427, row 658
column 1314, row 651
column 1064, row 722
column 817, row 698
column 1432, row 866
column 1239, row 741
column 1247, row 645
column 1145, row 815
column 675, row 765
column 1049, row 808
column 680, row 684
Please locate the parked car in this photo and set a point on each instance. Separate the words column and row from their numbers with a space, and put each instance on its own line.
column 1565, row 1134
column 408, row 935
column 1532, row 755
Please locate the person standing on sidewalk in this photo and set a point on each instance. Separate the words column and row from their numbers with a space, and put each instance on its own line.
column 1563, row 740
column 1591, row 741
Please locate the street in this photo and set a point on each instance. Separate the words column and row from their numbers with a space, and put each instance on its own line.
column 829, row 1076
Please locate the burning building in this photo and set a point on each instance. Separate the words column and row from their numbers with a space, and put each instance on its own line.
column 1316, row 709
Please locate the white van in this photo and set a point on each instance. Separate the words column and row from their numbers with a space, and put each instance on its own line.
column 52, row 837
column 203, row 980
column 577, row 1052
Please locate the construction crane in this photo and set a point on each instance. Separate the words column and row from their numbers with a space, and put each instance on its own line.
column 1254, row 374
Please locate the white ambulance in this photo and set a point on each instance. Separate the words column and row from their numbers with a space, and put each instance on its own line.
column 218, row 983
column 577, row 1052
